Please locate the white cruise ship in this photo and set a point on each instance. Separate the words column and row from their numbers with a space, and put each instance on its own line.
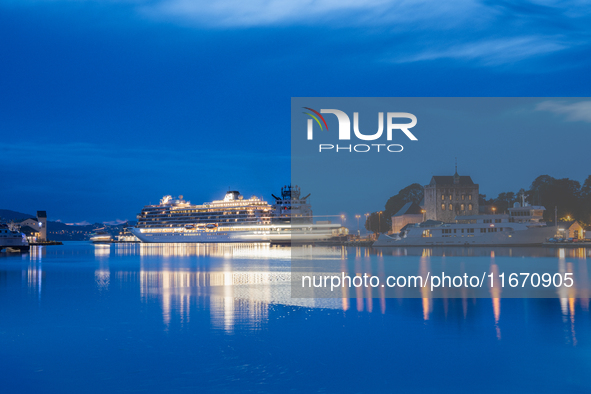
column 234, row 219
column 521, row 226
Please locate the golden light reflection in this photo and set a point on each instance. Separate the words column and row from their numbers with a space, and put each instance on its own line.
column 102, row 250
column 235, row 296
column 424, row 268
column 344, row 291
column 495, row 292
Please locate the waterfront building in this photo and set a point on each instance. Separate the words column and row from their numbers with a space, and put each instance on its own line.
column 29, row 222
column 410, row 213
column 449, row 196
column 572, row 229
column 31, row 233
column 42, row 219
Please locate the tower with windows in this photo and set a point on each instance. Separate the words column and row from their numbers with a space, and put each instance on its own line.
column 449, row 196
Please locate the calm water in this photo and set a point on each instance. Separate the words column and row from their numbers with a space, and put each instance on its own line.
column 193, row 318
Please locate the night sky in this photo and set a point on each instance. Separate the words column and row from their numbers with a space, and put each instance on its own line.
column 105, row 106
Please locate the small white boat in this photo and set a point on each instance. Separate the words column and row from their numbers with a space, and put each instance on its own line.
column 101, row 237
column 12, row 240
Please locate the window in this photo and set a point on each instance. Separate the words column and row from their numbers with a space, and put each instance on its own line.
column 462, row 207
column 463, row 196
column 442, row 206
column 497, row 220
column 469, row 207
column 450, row 198
column 451, row 207
column 469, row 197
column 442, row 197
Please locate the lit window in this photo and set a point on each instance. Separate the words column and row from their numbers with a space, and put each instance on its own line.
column 442, row 197
column 463, row 196
column 443, row 207
column 451, row 207
column 462, row 207
column 450, row 197
column 469, row 197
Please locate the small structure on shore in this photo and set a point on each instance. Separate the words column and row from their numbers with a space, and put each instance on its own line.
column 411, row 212
column 571, row 229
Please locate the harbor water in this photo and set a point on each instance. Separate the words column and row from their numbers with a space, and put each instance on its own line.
column 184, row 318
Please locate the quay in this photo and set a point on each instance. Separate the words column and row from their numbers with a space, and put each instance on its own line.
column 45, row 243
column 567, row 244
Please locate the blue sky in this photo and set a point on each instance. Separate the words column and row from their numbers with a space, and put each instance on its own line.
column 107, row 105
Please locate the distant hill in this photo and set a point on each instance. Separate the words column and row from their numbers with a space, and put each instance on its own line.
column 8, row 215
column 57, row 231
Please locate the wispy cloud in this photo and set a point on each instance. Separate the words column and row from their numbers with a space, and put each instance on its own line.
column 237, row 13
column 479, row 31
column 579, row 111
column 492, row 52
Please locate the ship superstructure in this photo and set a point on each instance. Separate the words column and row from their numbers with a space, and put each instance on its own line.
column 232, row 210
column 291, row 207
column 233, row 219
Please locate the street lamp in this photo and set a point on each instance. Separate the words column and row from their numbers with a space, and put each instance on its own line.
column 380, row 221
column 423, row 212
column 494, row 209
column 342, row 219
column 366, row 216
column 358, row 231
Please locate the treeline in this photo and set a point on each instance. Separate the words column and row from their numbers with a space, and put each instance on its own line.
column 572, row 199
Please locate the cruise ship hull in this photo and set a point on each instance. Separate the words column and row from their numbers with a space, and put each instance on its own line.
column 529, row 237
column 230, row 237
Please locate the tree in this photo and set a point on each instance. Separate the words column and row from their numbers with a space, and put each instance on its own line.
column 586, row 202
column 586, row 188
column 377, row 223
column 562, row 193
column 503, row 201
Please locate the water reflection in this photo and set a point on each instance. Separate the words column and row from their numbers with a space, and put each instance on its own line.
column 239, row 284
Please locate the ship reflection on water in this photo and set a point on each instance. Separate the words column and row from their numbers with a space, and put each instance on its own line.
column 158, row 318
column 239, row 283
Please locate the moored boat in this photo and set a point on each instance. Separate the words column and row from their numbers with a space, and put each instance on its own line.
column 521, row 226
column 11, row 240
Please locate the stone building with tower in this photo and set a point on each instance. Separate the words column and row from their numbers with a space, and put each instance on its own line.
column 449, row 196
